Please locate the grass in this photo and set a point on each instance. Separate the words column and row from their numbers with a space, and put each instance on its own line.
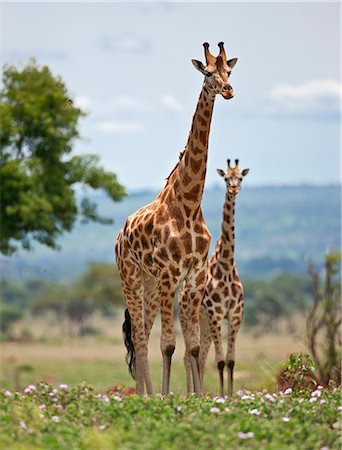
column 99, row 360
column 80, row 418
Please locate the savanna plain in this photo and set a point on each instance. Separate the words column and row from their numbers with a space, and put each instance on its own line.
column 60, row 393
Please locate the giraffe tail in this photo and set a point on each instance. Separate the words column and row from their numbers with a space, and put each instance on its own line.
column 127, row 335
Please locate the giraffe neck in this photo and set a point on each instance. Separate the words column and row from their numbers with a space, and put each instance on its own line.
column 187, row 179
column 226, row 243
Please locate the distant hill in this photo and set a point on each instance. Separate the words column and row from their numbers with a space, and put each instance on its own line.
column 276, row 229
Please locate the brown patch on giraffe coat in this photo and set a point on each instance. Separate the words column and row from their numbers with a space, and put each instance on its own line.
column 206, row 112
column 225, row 266
column 162, row 254
column 216, row 298
column 144, row 243
column 187, row 241
column 218, row 309
column 200, row 278
column 187, row 211
column 235, row 275
column 201, row 244
column 197, row 150
column 174, row 270
column 234, row 289
column 193, row 194
column 186, row 179
column 149, row 226
column 195, row 165
column 203, row 137
column 218, row 273
column 175, row 250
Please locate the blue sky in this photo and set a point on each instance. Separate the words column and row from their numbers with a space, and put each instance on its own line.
column 129, row 66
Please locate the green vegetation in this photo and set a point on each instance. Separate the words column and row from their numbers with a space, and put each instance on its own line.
column 267, row 302
column 81, row 418
column 38, row 127
column 276, row 229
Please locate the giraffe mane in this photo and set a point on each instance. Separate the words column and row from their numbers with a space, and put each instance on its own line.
column 180, row 157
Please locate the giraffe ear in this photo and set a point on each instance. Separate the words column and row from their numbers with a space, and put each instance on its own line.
column 220, row 172
column 200, row 66
column 244, row 172
column 231, row 62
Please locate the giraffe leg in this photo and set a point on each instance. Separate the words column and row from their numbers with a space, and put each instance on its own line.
column 183, row 322
column 205, row 342
column 151, row 306
column 190, row 304
column 234, row 321
column 168, row 340
column 132, row 284
column 215, row 329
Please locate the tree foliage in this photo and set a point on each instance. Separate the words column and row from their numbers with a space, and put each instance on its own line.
column 38, row 127
column 323, row 324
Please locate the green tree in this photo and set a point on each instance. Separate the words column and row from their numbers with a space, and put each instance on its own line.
column 323, row 323
column 8, row 315
column 38, row 127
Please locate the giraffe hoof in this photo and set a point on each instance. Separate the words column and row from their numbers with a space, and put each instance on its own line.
column 195, row 351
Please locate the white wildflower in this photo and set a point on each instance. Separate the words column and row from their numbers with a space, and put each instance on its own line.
column 8, row 393
column 313, row 399
column 219, row 400
column 59, row 406
column 270, row 397
column 55, row 419
column 248, row 435
column 319, row 387
column 300, row 400
column 246, row 397
column 285, row 419
column 255, row 411
column 339, row 408
column 30, row 388
column 324, row 448
column 288, row 391
column 179, row 408
column 193, row 414
column 105, row 398
column 215, row 410
column 322, row 401
column 101, row 427
column 316, row 393
column 42, row 407
column 227, row 409
column 63, row 386
column 117, row 398
column 22, row 425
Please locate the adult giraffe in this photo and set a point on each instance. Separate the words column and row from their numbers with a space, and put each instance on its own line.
column 167, row 241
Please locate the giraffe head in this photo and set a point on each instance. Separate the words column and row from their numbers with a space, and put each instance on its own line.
column 217, row 71
column 233, row 177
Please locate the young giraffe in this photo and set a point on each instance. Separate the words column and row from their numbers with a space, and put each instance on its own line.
column 223, row 296
column 167, row 241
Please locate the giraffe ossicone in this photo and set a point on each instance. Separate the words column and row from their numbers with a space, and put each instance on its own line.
column 167, row 241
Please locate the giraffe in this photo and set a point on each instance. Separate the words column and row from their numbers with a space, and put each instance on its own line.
column 167, row 242
column 223, row 298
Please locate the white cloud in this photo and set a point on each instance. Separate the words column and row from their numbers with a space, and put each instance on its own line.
column 126, row 103
column 313, row 99
column 127, row 42
column 120, row 127
column 171, row 103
